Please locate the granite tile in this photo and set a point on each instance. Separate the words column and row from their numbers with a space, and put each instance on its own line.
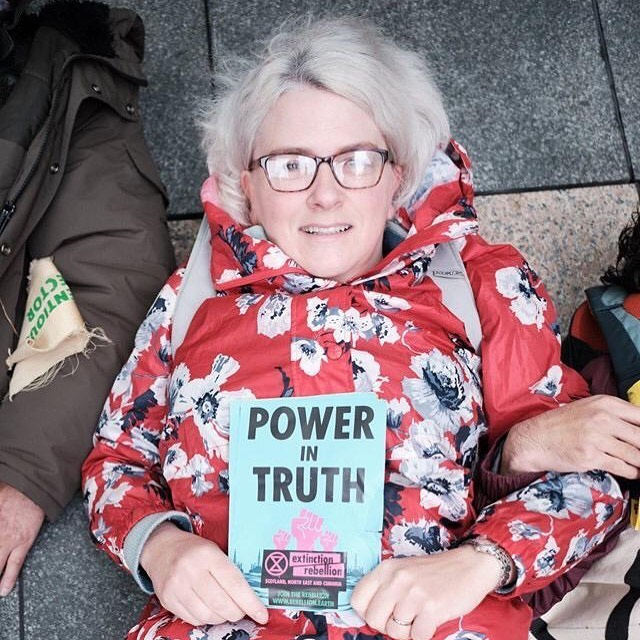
column 621, row 26
column 524, row 83
column 182, row 234
column 569, row 236
column 177, row 66
column 71, row 590
column 10, row 615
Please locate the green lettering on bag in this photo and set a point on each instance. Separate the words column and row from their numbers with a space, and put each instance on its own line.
column 38, row 312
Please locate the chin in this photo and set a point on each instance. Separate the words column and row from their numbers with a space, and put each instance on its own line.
column 332, row 275
column 332, row 270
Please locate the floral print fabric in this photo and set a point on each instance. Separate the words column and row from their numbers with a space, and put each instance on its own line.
column 274, row 331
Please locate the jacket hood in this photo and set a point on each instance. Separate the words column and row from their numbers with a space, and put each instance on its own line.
column 67, row 28
column 441, row 210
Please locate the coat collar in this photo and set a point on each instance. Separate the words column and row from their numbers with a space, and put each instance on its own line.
column 441, row 210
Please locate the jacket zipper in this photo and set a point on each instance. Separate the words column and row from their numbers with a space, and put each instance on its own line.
column 5, row 215
column 9, row 207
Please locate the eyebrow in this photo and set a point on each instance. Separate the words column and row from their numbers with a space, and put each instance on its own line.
column 307, row 152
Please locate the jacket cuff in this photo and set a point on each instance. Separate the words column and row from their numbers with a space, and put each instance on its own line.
column 493, row 485
column 36, row 494
column 138, row 536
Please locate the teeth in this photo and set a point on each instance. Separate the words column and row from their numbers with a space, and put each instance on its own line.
column 326, row 230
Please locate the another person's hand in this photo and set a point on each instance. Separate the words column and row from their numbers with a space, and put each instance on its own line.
column 194, row 579
column 601, row 432
column 20, row 522
column 424, row 592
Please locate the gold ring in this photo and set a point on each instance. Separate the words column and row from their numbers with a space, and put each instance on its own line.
column 402, row 623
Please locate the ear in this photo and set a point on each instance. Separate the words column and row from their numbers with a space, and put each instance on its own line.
column 247, row 187
column 398, row 174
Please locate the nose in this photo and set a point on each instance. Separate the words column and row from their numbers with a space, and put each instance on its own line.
column 325, row 192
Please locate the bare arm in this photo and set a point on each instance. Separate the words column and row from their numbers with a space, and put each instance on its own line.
column 600, row 432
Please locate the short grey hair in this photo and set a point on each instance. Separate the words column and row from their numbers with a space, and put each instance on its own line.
column 347, row 56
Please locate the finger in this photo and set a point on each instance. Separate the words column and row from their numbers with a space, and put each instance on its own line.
column 601, row 450
column 237, row 588
column 12, row 570
column 626, row 432
column 618, row 467
column 397, row 630
column 381, row 609
column 217, row 601
column 190, row 609
column 4, row 555
column 610, row 405
column 214, row 610
column 364, row 591
column 422, row 628
column 611, row 423
column 406, row 610
column 622, row 450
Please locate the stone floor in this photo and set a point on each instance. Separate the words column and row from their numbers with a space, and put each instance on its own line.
column 542, row 93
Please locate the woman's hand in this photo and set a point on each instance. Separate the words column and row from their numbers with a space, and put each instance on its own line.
column 424, row 592
column 601, row 432
column 196, row 581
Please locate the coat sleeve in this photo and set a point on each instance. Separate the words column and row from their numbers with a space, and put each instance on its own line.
column 122, row 478
column 552, row 523
column 106, row 231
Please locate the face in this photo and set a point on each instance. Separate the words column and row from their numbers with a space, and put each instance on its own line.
column 330, row 231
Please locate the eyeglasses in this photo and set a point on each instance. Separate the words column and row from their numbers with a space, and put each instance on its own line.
column 355, row 169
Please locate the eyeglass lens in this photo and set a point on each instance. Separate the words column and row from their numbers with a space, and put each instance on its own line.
column 357, row 169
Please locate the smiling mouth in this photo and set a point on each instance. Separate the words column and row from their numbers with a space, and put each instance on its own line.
column 326, row 231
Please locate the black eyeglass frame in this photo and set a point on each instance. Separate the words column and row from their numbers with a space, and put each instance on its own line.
column 262, row 162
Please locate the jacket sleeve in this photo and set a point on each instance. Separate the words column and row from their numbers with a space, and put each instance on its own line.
column 122, row 478
column 106, row 230
column 552, row 523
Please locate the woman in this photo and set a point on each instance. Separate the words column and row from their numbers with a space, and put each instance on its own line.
column 313, row 150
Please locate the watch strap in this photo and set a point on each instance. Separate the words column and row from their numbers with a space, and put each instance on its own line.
column 507, row 566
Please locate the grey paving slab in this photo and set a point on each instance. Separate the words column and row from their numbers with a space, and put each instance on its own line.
column 71, row 590
column 569, row 236
column 524, row 82
column 10, row 616
column 177, row 66
column 621, row 26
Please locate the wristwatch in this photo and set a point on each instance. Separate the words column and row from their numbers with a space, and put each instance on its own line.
column 507, row 566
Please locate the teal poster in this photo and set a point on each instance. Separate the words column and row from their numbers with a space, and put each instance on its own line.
column 306, row 484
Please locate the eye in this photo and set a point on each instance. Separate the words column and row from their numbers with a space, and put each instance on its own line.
column 357, row 162
column 351, row 160
column 285, row 166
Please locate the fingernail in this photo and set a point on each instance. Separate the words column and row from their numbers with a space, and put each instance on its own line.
column 4, row 592
column 262, row 618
